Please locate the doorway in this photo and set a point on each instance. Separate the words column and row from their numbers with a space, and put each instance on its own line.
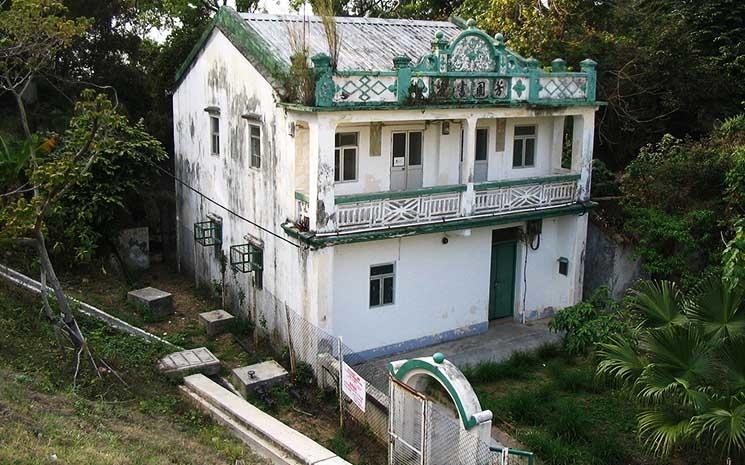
column 502, row 276
column 406, row 161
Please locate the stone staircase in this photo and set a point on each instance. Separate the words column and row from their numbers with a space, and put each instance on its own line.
column 266, row 435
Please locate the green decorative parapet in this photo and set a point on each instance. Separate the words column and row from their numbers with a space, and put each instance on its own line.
column 473, row 68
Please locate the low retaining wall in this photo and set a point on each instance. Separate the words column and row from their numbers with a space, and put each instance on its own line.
column 31, row 285
column 267, row 435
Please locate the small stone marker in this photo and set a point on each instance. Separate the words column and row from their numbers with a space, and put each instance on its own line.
column 216, row 321
column 160, row 303
column 259, row 376
column 189, row 362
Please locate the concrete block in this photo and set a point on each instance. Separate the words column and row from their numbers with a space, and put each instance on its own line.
column 259, row 376
column 190, row 361
column 160, row 303
column 216, row 322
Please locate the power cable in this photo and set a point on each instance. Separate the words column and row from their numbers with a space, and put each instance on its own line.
column 232, row 212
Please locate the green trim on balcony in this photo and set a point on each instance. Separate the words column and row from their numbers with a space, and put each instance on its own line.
column 520, row 182
column 357, row 198
column 302, row 196
column 467, row 223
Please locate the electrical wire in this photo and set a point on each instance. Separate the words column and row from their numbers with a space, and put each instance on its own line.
column 232, row 212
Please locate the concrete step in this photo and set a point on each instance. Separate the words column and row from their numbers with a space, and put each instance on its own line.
column 267, row 435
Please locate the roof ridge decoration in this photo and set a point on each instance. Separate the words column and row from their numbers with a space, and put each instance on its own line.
column 473, row 68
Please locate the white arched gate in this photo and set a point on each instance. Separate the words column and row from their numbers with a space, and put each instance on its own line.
column 424, row 433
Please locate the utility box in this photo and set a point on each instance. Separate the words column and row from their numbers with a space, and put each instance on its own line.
column 260, row 376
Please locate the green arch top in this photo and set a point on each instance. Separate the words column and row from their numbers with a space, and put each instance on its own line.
column 461, row 392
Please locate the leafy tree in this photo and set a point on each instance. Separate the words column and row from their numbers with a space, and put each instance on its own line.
column 664, row 66
column 682, row 196
column 66, row 185
column 685, row 366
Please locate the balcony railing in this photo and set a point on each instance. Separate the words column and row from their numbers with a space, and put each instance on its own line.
column 392, row 209
column 384, row 210
column 526, row 194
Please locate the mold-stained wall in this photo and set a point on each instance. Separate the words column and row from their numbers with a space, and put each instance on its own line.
column 442, row 290
column 221, row 77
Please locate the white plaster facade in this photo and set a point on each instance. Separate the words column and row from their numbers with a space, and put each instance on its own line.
column 441, row 291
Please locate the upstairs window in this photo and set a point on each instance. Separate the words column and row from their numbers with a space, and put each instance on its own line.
column 382, row 280
column 345, row 157
column 215, row 134
column 523, row 149
column 254, row 145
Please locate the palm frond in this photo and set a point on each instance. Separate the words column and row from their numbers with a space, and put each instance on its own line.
column 681, row 355
column 718, row 308
column 733, row 364
column 660, row 303
column 661, row 431
column 620, row 361
column 724, row 426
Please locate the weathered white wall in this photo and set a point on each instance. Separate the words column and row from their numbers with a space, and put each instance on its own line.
column 222, row 77
column 444, row 288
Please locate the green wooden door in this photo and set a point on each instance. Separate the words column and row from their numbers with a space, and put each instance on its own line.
column 502, row 280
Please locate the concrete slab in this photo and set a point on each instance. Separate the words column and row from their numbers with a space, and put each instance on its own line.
column 259, row 376
column 188, row 362
column 160, row 303
column 498, row 343
column 216, row 322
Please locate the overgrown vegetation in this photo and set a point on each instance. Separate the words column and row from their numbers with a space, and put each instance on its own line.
column 685, row 366
column 682, row 196
column 591, row 322
column 46, row 417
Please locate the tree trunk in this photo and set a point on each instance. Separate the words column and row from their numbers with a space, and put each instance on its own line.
column 68, row 319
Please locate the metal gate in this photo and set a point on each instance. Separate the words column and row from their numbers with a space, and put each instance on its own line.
column 406, row 424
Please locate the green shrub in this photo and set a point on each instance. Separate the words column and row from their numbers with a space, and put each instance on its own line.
column 340, row 445
column 590, row 322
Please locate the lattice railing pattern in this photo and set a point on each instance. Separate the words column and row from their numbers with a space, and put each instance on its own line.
column 398, row 212
column 525, row 197
column 362, row 89
column 563, row 88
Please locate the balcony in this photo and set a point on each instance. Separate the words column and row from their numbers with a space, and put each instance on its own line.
column 387, row 210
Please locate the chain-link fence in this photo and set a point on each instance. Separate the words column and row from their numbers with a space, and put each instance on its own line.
column 413, row 428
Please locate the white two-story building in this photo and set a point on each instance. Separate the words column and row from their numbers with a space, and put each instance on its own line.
column 436, row 182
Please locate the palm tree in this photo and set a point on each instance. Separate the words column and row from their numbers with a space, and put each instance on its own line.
column 685, row 364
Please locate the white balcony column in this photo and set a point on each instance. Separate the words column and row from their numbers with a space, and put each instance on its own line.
column 469, row 163
column 322, row 211
column 582, row 146
column 557, row 143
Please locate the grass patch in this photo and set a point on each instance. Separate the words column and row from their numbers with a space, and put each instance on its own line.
column 98, row 421
column 553, row 404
